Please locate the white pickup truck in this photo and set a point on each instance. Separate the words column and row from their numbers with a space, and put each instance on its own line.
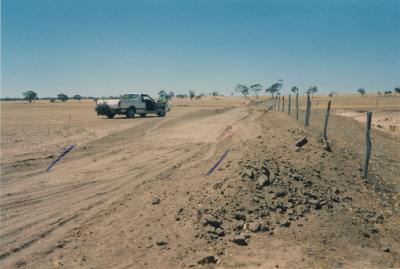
column 131, row 104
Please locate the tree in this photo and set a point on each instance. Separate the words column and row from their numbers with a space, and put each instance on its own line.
column 315, row 89
column 361, row 91
column 294, row 89
column 243, row 89
column 62, row 97
column 192, row 94
column 162, row 95
column 77, row 97
column 332, row 93
column 215, row 94
column 256, row 88
column 388, row 93
column 397, row 90
column 170, row 95
column 30, row 96
column 275, row 88
column 180, row 95
column 312, row 90
column 199, row 96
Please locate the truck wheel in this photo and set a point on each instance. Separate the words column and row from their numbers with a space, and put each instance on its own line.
column 161, row 113
column 130, row 113
column 111, row 115
column 143, row 115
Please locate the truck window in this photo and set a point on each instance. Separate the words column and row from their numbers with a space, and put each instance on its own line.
column 131, row 96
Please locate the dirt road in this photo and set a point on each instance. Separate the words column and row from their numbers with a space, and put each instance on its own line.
column 134, row 195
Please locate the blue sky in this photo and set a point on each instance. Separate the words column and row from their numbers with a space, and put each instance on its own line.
column 108, row 47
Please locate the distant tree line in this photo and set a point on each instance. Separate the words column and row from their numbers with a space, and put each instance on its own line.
column 274, row 89
column 31, row 96
column 363, row 92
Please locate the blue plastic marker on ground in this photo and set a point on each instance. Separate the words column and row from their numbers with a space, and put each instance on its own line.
column 61, row 156
column 217, row 163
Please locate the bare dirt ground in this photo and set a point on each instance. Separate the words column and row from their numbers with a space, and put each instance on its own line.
column 133, row 193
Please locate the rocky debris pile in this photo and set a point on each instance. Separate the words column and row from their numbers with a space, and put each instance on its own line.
column 271, row 195
column 370, row 216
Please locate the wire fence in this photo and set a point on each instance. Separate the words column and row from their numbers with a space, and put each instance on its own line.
column 378, row 153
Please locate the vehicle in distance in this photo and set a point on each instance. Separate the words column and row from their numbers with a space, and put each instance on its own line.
column 131, row 104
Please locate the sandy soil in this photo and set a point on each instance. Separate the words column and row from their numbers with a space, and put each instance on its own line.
column 133, row 193
column 385, row 119
column 386, row 110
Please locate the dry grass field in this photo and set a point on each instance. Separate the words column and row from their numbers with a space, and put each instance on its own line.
column 133, row 194
column 386, row 110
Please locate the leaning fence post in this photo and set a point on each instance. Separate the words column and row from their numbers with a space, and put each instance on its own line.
column 283, row 103
column 324, row 135
column 367, row 144
column 297, row 106
column 289, row 105
column 308, row 111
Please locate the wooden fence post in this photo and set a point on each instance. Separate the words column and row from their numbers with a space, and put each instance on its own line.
column 283, row 103
column 367, row 144
column 297, row 106
column 271, row 106
column 279, row 103
column 308, row 111
column 324, row 135
column 273, row 102
column 289, row 105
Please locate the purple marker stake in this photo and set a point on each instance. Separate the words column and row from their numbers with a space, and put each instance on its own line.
column 217, row 163
column 60, row 157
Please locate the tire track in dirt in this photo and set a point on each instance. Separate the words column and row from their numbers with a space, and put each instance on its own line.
column 108, row 190
column 37, row 214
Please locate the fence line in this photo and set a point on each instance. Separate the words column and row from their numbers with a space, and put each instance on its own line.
column 324, row 135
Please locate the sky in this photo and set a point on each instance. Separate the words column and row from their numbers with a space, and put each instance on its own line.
column 110, row 47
